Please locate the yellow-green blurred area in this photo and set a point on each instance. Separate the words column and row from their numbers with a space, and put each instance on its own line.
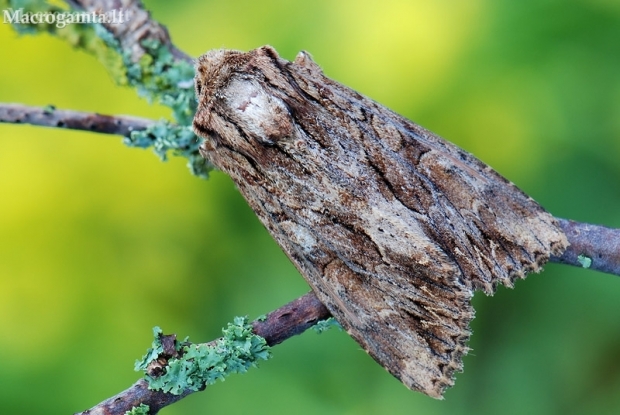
column 99, row 242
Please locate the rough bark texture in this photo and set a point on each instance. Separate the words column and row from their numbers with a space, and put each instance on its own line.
column 291, row 319
column 392, row 226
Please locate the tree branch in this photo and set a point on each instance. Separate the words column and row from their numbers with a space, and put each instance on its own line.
column 73, row 120
column 591, row 246
column 137, row 28
column 287, row 321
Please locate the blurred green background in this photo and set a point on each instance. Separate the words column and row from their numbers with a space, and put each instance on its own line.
column 98, row 242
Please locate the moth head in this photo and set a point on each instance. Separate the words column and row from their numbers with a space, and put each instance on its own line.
column 237, row 101
column 212, row 69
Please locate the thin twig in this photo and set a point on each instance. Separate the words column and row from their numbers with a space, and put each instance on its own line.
column 287, row 321
column 74, row 120
column 591, row 246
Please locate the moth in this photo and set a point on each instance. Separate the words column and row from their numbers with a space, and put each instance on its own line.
column 392, row 226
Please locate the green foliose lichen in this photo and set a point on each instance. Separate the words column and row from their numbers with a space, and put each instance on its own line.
column 585, row 261
column 165, row 137
column 142, row 409
column 151, row 354
column 200, row 365
column 162, row 79
column 323, row 325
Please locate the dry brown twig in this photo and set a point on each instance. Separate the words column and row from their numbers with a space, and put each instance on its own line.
column 72, row 120
column 591, row 246
column 287, row 321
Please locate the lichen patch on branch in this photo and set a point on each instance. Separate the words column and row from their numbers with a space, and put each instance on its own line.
column 176, row 367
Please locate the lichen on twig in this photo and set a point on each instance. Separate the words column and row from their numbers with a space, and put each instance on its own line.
column 175, row 367
column 149, row 63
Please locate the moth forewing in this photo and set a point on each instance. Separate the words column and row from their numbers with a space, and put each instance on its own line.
column 392, row 226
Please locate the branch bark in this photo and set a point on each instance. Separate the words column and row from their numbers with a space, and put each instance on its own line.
column 287, row 321
column 140, row 26
column 73, row 120
column 594, row 244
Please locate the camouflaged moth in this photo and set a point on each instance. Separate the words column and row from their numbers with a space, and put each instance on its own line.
column 392, row 226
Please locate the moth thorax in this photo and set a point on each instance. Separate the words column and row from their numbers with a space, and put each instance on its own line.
column 258, row 113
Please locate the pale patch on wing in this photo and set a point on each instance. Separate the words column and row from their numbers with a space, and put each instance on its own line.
column 299, row 235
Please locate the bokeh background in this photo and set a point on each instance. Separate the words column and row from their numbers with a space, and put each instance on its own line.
column 99, row 242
